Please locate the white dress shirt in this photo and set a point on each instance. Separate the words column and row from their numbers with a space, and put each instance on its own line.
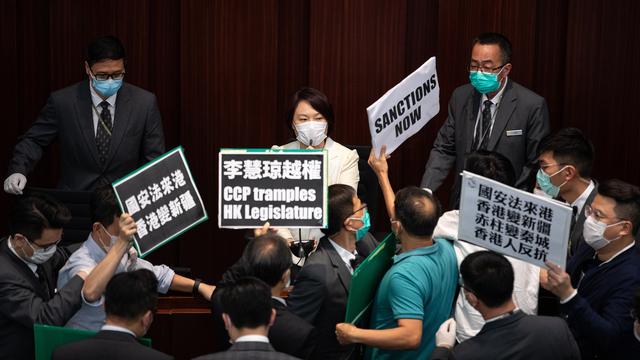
column 252, row 338
column 582, row 199
column 118, row 329
column 345, row 255
column 495, row 101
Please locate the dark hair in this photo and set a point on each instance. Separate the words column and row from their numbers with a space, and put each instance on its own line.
column 489, row 276
column 340, row 207
column 491, row 38
column 247, row 302
column 103, row 207
column 105, row 48
column 36, row 212
column 130, row 295
column 317, row 100
column 417, row 210
column 571, row 147
column 627, row 198
column 268, row 258
column 492, row 165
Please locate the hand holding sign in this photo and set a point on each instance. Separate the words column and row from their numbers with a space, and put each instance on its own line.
column 557, row 281
column 128, row 228
column 379, row 164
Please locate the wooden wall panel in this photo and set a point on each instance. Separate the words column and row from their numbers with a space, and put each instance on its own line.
column 223, row 72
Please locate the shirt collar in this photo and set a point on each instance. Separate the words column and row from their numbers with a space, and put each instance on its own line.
column 618, row 253
column 425, row 250
column 117, row 328
column 582, row 199
column 279, row 299
column 96, row 99
column 252, row 338
column 31, row 266
column 495, row 318
column 345, row 255
column 496, row 99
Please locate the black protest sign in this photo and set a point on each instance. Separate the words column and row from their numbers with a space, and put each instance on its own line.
column 287, row 188
column 162, row 198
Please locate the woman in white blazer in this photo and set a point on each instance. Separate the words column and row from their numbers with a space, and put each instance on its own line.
column 310, row 118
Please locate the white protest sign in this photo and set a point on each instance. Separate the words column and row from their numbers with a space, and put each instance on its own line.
column 513, row 222
column 405, row 109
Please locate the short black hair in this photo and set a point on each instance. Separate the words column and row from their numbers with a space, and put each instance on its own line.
column 247, row 302
column 627, row 198
column 340, row 207
column 36, row 212
column 103, row 206
column 492, row 38
column 417, row 210
column 317, row 100
column 105, row 48
column 268, row 258
column 130, row 295
column 569, row 146
column 492, row 165
column 489, row 276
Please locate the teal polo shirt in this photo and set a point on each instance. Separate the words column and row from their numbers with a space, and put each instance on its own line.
column 420, row 285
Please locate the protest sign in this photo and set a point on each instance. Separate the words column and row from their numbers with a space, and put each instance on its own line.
column 405, row 109
column 367, row 277
column 162, row 198
column 287, row 188
column 513, row 222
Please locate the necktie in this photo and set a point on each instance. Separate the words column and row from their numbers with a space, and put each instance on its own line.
column 482, row 136
column 43, row 280
column 355, row 262
column 103, row 133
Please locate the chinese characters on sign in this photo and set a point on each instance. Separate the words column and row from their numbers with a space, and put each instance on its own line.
column 163, row 200
column 286, row 188
column 513, row 222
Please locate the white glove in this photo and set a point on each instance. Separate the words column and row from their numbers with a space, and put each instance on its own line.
column 446, row 335
column 15, row 183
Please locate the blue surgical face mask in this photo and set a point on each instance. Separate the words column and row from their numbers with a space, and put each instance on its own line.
column 484, row 82
column 544, row 181
column 366, row 225
column 106, row 87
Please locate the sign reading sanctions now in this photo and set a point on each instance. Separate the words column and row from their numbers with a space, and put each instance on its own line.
column 405, row 109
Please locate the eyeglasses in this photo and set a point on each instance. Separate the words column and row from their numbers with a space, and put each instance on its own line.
column 462, row 285
column 589, row 211
column 364, row 206
column 114, row 76
column 46, row 247
column 485, row 69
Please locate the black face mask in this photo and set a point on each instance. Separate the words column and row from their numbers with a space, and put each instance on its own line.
column 301, row 249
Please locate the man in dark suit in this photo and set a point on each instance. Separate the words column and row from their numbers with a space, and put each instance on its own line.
column 247, row 313
column 596, row 291
column 130, row 300
column 566, row 161
column 492, row 113
column 30, row 262
column 105, row 128
column 487, row 281
column 268, row 258
column 321, row 289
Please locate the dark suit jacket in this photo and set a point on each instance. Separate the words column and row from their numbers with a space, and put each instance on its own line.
column 320, row 297
column 576, row 237
column 520, row 109
column 137, row 136
column 291, row 334
column 248, row 351
column 24, row 301
column 108, row 345
column 599, row 314
column 518, row 336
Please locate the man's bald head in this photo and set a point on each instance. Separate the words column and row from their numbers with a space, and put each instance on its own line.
column 417, row 210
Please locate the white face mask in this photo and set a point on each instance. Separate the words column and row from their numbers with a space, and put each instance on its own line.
column 40, row 256
column 593, row 233
column 112, row 240
column 311, row 133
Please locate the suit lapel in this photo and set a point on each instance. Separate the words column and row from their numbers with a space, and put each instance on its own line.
column 121, row 121
column 84, row 119
column 24, row 269
column 336, row 261
column 505, row 109
column 576, row 231
column 471, row 115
